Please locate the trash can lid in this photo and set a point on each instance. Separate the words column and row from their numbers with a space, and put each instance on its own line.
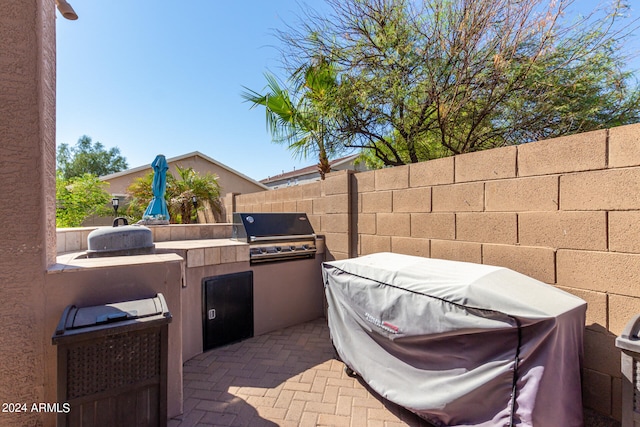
column 629, row 339
column 77, row 320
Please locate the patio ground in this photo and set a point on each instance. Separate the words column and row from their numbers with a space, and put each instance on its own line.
column 288, row 378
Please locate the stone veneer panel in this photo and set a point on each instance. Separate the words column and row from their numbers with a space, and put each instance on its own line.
column 192, row 232
column 228, row 254
column 212, row 256
column 178, row 233
column 242, row 253
column 195, row 257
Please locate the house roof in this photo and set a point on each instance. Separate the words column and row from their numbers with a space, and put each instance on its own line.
column 182, row 157
column 308, row 170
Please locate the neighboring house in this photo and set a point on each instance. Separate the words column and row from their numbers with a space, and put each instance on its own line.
column 230, row 180
column 310, row 173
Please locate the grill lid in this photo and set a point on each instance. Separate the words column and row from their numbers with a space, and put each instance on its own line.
column 120, row 240
column 255, row 227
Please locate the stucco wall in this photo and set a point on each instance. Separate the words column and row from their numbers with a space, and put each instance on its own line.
column 27, row 163
column 564, row 211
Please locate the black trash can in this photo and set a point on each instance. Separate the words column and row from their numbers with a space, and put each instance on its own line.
column 112, row 364
column 629, row 344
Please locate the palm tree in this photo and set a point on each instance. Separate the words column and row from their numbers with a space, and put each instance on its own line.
column 302, row 122
column 190, row 187
column 180, row 195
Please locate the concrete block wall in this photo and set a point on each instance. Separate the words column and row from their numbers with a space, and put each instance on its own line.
column 565, row 211
column 75, row 239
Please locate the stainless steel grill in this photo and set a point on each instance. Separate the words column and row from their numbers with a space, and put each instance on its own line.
column 275, row 236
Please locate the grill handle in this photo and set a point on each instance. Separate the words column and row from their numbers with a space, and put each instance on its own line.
column 274, row 238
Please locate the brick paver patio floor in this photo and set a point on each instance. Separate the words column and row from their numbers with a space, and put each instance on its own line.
column 285, row 378
column 289, row 378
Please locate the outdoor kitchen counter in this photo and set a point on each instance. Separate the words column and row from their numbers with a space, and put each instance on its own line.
column 83, row 282
column 176, row 270
column 77, row 261
column 198, row 253
column 203, row 258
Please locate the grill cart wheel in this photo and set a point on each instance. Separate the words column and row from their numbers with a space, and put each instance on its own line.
column 350, row 372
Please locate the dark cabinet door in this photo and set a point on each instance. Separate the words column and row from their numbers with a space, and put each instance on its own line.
column 227, row 308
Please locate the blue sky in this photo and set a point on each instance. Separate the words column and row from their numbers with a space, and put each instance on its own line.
column 164, row 77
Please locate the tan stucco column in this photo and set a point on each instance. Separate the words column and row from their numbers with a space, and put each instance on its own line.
column 27, row 197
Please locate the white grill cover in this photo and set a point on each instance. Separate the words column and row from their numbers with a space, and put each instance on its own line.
column 441, row 338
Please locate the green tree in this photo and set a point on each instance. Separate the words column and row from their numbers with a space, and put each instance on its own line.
column 139, row 195
column 419, row 80
column 303, row 116
column 88, row 157
column 189, row 184
column 79, row 197
column 179, row 195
